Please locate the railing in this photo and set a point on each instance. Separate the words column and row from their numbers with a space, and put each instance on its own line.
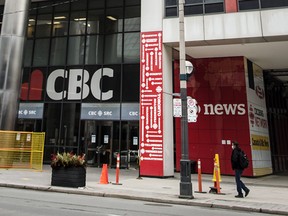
column 20, row 149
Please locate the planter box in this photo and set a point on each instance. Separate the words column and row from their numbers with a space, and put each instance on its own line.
column 69, row 177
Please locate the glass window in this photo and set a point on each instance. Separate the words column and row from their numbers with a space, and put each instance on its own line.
column 248, row 4
column 41, row 52
column 214, row 8
column 60, row 24
column 44, row 7
column 131, row 80
column 31, row 26
column 114, row 20
column 96, row 4
column 194, row 9
column 58, row 51
column 96, row 21
column 113, row 3
column 77, row 23
column 171, row 2
column 94, row 49
column 62, row 6
column 273, row 3
column 132, row 47
column 193, row 2
column 213, row 1
column 132, row 19
column 113, row 49
column 76, row 50
column 28, row 52
column 43, row 26
column 79, row 5
column 171, row 12
column 133, row 2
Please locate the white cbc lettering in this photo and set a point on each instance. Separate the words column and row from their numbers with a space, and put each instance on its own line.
column 76, row 77
column 32, row 112
column 95, row 113
column 131, row 113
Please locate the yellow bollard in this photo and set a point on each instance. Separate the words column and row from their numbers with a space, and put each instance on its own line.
column 216, row 161
column 216, row 176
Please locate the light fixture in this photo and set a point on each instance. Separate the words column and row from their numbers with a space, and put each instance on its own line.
column 80, row 19
column 189, row 67
column 55, row 23
column 31, row 20
column 111, row 18
column 59, row 17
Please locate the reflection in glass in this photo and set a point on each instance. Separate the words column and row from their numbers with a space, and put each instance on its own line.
column 114, row 20
column 77, row 23
column 76, row 50
column 132, row 47
column 28, row 52
column 60, row 24
column 58, row 51
column 94, row 50
column 43, row 26
column 132, row 19
column 113, row 49
column 41, row 52
column 31, row 27
column 96, row 21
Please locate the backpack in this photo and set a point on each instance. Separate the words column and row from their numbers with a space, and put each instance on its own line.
column 243, row 160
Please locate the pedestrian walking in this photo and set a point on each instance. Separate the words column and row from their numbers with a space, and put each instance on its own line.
column 236, row 162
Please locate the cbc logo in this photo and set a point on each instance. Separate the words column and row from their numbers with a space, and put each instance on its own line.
column 100, row 113
column 131, row 113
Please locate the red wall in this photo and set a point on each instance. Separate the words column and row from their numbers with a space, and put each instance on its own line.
column 215, row 81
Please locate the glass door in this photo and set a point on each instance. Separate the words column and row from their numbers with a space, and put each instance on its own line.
column 98, row 142
column 129, row 145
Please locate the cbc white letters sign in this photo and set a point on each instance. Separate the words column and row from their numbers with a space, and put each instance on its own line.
column 78, row 84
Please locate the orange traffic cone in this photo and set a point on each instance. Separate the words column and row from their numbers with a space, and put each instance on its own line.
column 104, row 175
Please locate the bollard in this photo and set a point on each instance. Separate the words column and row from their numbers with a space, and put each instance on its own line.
column 117, row 170
column 216, row 177
column 199, row 177
column 217, row 183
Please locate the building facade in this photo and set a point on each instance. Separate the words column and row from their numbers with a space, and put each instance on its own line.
column 99, row 77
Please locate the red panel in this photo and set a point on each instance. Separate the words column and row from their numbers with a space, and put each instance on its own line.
column 151, row 108
column 218, row 84
column 34, row 89
column 231, row 6
column 36, row 85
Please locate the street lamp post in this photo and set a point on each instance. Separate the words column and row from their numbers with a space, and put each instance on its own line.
column 185, row 167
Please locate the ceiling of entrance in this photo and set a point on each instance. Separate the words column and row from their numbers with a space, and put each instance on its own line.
column 271, row 56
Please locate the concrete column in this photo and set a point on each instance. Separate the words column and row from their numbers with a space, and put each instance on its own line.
column 11, row 54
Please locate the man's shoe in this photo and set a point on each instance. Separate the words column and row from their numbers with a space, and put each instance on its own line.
column 247, row 192
column 239, row 196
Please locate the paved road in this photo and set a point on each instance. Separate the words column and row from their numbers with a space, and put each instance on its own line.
column 268, row 194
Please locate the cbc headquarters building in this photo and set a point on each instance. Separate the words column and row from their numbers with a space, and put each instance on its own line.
column 103, row 77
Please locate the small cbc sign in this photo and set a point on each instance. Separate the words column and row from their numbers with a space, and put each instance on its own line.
column 192, row 109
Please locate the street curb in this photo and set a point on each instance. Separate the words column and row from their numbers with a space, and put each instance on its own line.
column 186, row 202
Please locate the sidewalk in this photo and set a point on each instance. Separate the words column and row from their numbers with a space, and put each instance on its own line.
column 268, row 194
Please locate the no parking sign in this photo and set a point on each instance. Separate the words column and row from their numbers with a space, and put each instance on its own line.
column 192, row 109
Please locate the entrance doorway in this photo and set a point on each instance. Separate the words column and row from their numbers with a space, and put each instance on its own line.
column 129, row 145
column 33, row 125
column 98, row 142
column 103, row 140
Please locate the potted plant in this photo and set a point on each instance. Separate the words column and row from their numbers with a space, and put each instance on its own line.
column 68, row 170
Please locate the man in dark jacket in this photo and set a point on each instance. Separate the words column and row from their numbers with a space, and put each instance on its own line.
column 235, row 161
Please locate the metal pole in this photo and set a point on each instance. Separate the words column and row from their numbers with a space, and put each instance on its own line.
column 12, row 41
column 185, row 167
